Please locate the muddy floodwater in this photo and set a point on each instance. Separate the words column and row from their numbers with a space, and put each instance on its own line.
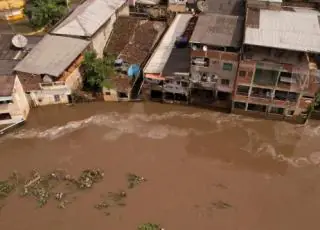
column 205, row 170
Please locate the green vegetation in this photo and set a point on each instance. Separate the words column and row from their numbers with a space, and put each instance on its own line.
column 313, row 106
column 97, row 71
column 43, row 13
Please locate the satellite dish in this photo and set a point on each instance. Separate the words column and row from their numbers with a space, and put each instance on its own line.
column 205, row 48
column 19, row 41
column 47, row 79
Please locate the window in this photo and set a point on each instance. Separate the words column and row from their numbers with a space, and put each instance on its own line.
column 258, row 108
column 242, row 73
column 5, row 116
column 261, row 92
column 184, row 84
column 6, row 102
column 223, row 96
column 276, row 110
column 265, row 77
column 243, row 90
column 56, row 98
column 227, row 66
column 225, row 81
column 107, row 93
column 122, row 95
column 200, row 61
column 240, row 105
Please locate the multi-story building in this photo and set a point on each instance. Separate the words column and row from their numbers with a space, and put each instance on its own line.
column 277, row 74
column 215, row 43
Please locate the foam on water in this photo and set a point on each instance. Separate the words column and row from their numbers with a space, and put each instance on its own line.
column 150, row 126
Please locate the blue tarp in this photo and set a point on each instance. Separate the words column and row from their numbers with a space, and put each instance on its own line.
column 133, row 70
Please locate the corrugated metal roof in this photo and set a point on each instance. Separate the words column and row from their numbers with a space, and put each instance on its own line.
column 218, row 30
column 292, row 30
column 230, row 7
column 52, row 55
column 162, row 52
column 88, row 17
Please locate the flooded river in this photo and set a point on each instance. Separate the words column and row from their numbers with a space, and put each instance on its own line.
column 267, row 172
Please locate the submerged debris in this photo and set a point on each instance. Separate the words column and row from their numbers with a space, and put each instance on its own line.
column 118, row 197
column 89, row 177
column 134, row 180
column 221, row 205
column 41, row 186
column 102, row 205
column 150, row 226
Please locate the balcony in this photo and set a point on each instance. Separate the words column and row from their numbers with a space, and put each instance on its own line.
column 260, row 95
column 53, row 85
column 266, row 78
column 287, row 81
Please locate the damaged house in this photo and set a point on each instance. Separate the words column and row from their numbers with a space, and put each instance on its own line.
column 51, row 71
column 92, row 20
column 131, row 43
column 153, row 72
column 277, row 75
column 216, row 43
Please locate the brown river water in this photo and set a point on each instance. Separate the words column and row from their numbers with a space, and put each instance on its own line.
column 267, row 171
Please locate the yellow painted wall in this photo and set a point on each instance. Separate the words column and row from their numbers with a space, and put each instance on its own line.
column 11, row 4
column 11, row 9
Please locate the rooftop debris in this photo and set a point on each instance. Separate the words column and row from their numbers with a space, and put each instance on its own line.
column 134, row 180
column 150, row 226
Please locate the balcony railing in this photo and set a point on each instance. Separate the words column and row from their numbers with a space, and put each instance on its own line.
column 53, row 85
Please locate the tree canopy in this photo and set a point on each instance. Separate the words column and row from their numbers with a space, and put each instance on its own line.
column 96, row 70
column 45, row 12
